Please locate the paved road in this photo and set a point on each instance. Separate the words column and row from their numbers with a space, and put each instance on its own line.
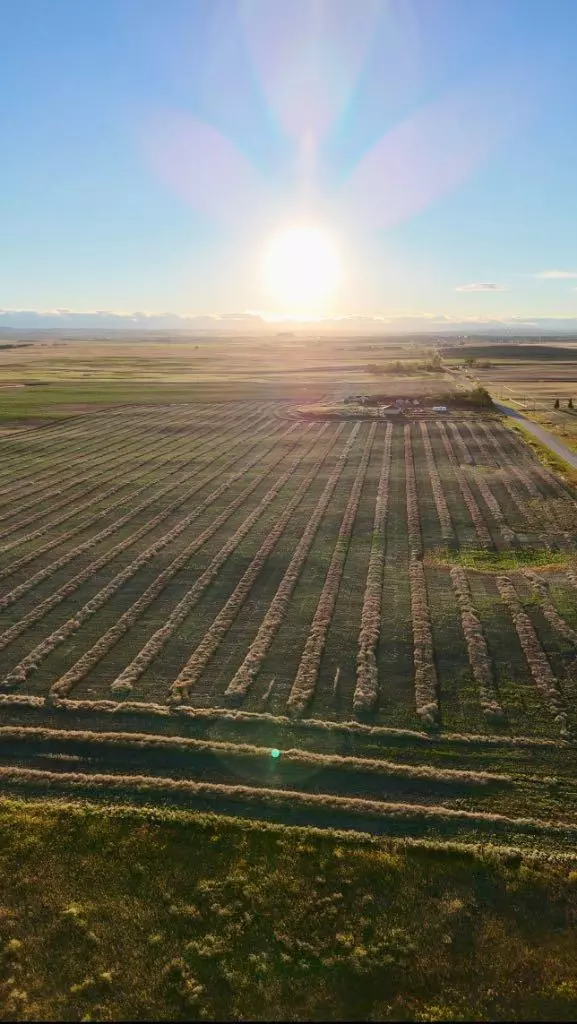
column 539, row 432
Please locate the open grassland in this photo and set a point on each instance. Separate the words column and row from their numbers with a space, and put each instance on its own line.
column 173, row 916
column 392, row 606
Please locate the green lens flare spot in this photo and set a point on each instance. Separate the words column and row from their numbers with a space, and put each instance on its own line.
column 275, row 752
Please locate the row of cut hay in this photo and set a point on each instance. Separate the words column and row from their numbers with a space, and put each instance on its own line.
column 210, row 449
column 540, row 588
column 305, row 680
column 54, row 458
column 65, row 739
column 483, row 535
column 95, row 479
column 50, row 439
column 541, row 670
column 24, row 449
column 426, row 682
column 485, row 489
column 72, row 509
column 133, row 710
column 571, row 576
column 413, row 517
column 477, row 647
column 43, row 607
column 463, row 453
column 275, row 614
column 30, row 662
column 99, row 468
column 151, row 650
column 554, row 512
column 196, row 664
column 219, row 793
column 443, row 513
column 367, row 684
column 511, row 475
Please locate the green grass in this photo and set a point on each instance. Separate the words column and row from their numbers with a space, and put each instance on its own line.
column 499, row 561
column 126, row 914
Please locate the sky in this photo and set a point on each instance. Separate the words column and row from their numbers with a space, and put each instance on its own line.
column 152, row 152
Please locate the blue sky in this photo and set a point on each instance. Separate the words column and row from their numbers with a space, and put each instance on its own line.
column 151, row 148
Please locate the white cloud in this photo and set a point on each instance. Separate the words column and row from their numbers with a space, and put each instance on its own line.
column 557, row 275
column 482, row 286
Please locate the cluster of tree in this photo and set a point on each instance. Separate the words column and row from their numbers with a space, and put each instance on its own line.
column 569, row 403
column 478, row 397
column 432, row 364
column 477, row 364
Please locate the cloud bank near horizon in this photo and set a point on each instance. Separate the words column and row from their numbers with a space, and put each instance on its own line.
column 256, row 322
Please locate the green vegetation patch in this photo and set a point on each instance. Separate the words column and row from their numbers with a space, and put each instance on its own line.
column 127, row 914
column 499, row 561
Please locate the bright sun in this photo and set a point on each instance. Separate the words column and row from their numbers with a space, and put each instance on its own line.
column 301, row 268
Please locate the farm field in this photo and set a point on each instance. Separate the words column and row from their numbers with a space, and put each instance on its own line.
column 44, row 380
column 388, row 607
column 531, row 378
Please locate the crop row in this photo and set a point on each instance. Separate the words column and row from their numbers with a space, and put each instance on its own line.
column 443, row 513
column 34, row 446
column 539, row 666
column 377, row 811
column 74, row 508
column 209, row 718
column 511, row 475
column 71, row 509
column 90, row 448
column 179, row 613
column 141, row 439
column 426, row 682
column 483, row 535
column 549, row 610
column 552, row 484
column 207, row 450
column 196, row 664
column 30, row 662
column 487, row 494
column 367, row 685
column 477, row 646
column 13, row 595
column 413, row 517
column 305, row 680
column 275, row 614
column 464, row 454
column 180, row 423
column 97, row 741
column 99, row 467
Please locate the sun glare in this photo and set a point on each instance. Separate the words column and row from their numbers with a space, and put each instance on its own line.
column 301, row 269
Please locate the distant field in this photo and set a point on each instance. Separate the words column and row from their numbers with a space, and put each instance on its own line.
column 531, row 377
column 47, row 381
column 184, row 588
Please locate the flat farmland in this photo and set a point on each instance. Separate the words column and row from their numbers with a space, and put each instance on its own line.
column 534, row 386
column 391, row 608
